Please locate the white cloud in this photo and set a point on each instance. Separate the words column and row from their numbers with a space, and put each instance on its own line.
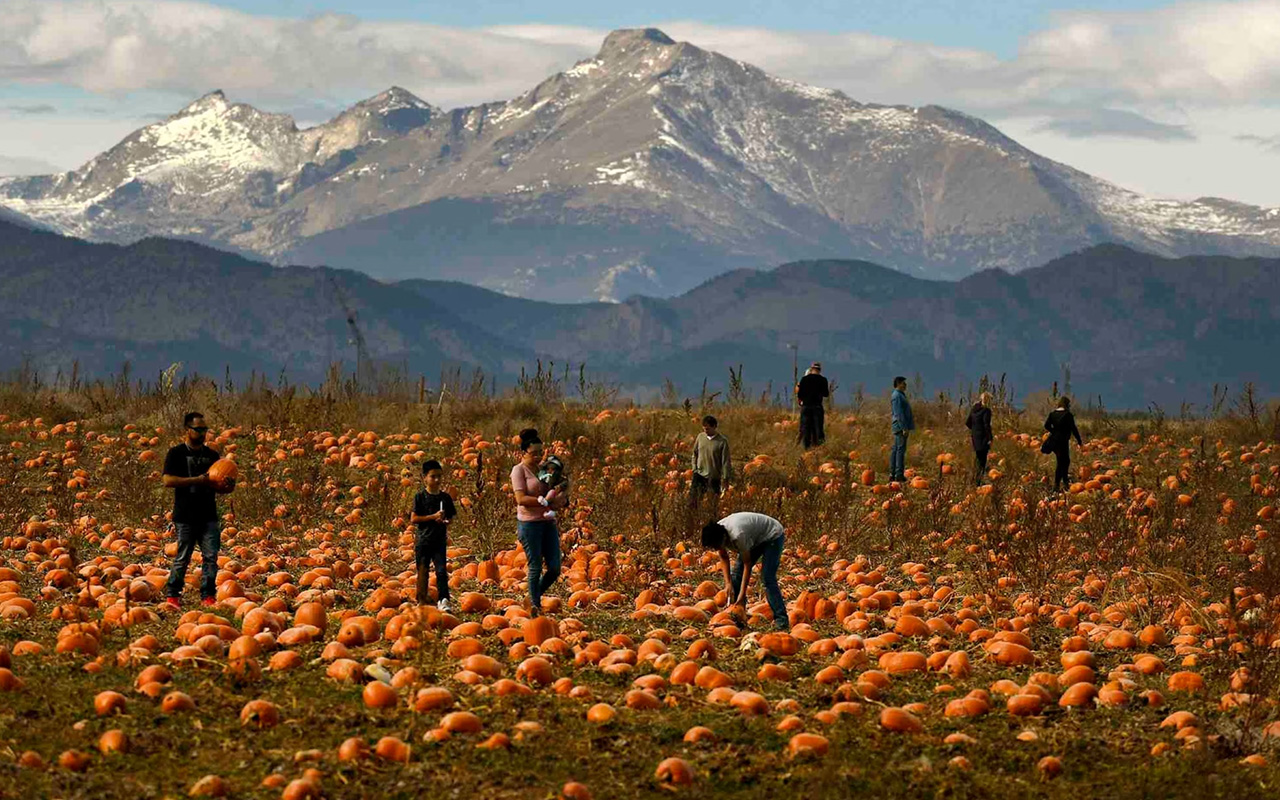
column 1270, row 143
column 1159, row 75
column 1201, row 53
column 62, row 141
column 25, row 166
column 120, row 46
column 1087, row 123
column 1218, row 163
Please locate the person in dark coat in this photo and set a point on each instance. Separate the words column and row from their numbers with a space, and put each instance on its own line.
column 979, row 425
column 812, row 390
column 1061, row 426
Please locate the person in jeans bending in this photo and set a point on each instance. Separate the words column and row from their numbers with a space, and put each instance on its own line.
column 755, row 538
column 536, row 519
column 1061, row 425
column 432, row 511
column 979, row 425
column 195, row 510
column 903, row 424
column 711, row 466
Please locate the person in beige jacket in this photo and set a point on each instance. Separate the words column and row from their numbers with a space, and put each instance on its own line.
column 712, row 470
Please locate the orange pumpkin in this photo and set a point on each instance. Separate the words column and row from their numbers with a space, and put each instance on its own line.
column 461, row 722
column 675, row 771
column 113, row 741
column 353, row 749
column 377, row 694
column 900, row 720
column 259, row 714
column 222, row 473
column 390, row 748
column 575, row 791
column 109, row 702
column 807, row 745
column 537, row 630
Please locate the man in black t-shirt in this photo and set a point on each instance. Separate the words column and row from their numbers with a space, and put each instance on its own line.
column 432, row 510
column 812, row 391
column 195, row 510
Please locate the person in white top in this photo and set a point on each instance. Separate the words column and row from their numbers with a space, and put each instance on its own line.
column 756, row 538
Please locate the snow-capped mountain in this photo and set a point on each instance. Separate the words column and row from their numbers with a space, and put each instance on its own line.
column 649, row 168
column 199, row 171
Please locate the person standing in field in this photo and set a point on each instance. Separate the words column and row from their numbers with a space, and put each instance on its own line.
column 195, row 510
column 755, row 538
column 1061, row 425
column 432, row 510
column 979, row 425
column 902, row 425
column 812, row 391
column 712, row 469
column 536, row 519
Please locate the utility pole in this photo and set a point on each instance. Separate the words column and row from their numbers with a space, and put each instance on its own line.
column 364, row 364
column 795, row 371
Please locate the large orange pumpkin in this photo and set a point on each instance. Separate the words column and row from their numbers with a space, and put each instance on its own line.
column 222, row 473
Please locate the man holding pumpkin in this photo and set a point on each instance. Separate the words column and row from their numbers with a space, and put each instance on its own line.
column 195, row 509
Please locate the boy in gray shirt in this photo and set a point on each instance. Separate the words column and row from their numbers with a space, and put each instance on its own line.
column 711, row 467
column 756, row 538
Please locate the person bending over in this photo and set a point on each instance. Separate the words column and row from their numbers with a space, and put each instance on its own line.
column 757, row 538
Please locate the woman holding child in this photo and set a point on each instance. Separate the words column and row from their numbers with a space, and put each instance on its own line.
column 539, row 491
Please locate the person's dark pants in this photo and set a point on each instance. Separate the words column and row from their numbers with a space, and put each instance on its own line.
column 769, row 556
column 208, row 536
column 541, row 543
column 699, row 485
column 898, row 457
column 980, row 462
column 429, row 548
column 1062, row 474
column 812, row 419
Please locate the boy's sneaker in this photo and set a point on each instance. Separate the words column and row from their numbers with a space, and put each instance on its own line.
column 208, row 601
column 174, row 603
column 443, row 605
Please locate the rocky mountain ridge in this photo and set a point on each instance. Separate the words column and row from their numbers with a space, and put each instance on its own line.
column 648, row 169
column 1133, row 327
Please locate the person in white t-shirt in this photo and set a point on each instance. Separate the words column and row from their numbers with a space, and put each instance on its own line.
column 757, row 538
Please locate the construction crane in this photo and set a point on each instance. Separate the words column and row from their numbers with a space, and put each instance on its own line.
column 364, row 364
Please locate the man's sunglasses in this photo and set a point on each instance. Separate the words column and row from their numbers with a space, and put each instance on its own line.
column 199, row 428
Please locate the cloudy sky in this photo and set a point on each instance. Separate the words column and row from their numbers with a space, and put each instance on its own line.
column 1176, row 100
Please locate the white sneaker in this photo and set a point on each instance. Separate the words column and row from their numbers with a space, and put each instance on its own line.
column 443, row 605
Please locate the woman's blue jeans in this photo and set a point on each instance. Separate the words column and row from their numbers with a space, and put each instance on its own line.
column 541, row 543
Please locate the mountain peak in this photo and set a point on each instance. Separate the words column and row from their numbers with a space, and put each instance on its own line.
column 627, row 39
column 395, row 110
column 397, row 97
column 647, row 168
column 213, row 101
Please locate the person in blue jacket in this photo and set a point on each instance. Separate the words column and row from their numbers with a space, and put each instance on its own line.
column 903, row 424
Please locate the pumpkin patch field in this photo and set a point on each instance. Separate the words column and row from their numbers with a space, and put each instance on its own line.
column 1121, row 639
